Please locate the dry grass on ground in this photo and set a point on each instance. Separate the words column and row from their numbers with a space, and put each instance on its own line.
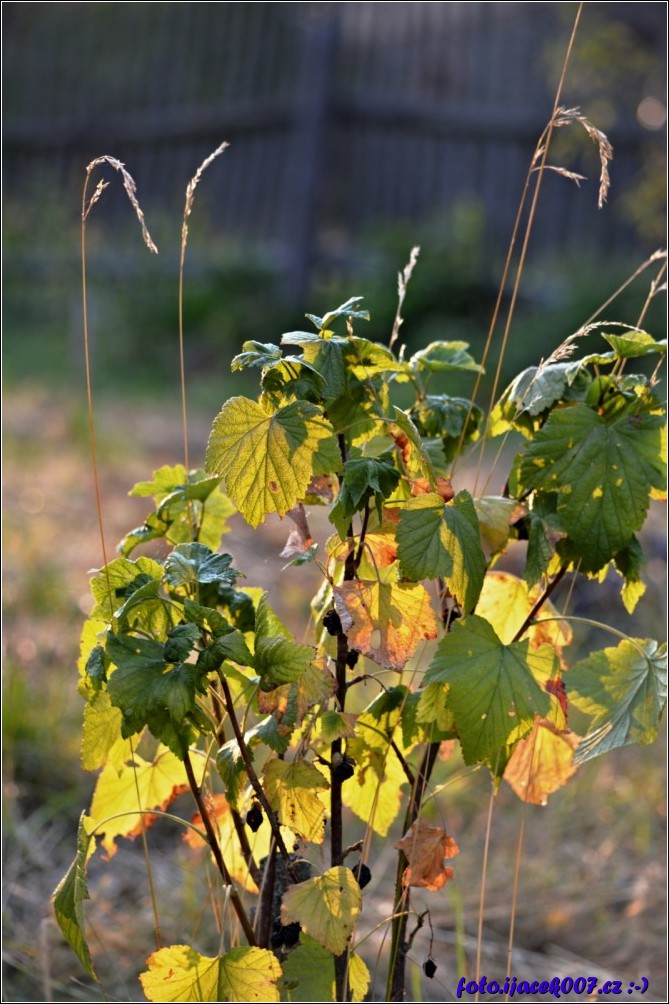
column 593, row 869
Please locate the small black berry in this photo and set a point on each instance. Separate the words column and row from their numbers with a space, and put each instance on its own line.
column 254, row 817
column 522, row 529
column 352, row 658
column 343, row 771
column 429, row 968
column 331, row 622
column 276, row 939
column 291, row 934
column 362, row 874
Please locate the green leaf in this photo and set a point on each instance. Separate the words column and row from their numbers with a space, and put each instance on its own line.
column 278, row 659
column 256, row 354
column 118, row 580
column 149, row 692
column 493, row 693
column 179, row 973
column 69, row 896
column 292, row 791
column 364, row 479
column 189, row 564
column 603, row 472
column 308, row 974
column 445, row 417
column 629, row 563
column 164, row 481
column 268, row 460
column 327, row 907
column 367, row 359
column 231, row 768
column 543, row 534
column 437, row 539
column 635, row 343
column 444, row 357
column 348, row 309
column 624, row 691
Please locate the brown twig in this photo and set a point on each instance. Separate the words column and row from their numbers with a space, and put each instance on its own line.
column 218, row 855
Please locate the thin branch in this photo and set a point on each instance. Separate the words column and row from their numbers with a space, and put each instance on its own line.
column 216, row 851
column 539, row 604
column 253, row 777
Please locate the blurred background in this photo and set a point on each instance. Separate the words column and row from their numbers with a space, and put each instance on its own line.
column 356, row 131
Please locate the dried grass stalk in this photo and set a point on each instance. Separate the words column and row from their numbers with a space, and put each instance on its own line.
column 131, row 192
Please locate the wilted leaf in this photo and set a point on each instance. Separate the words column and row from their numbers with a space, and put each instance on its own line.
column 179, row 973
column 327, row 907
column 268, row 460
column 292, row 791
column 69, row 897
column 542, row 762
column 385, row 621
column 425, row 848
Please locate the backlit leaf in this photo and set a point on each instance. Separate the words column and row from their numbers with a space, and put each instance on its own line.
column 436, row 539
column 268, row 460
column 635, row 343
column 158, row 783
column 292, row 791
column 327, row 907
column 385, row 621
column 101, row 730
column 495, row 514
column 179, row 973
column 493, row 693
column 624, row 691
column 541, row 763
column 221, row 815
column 374, row 793
column 506, row 601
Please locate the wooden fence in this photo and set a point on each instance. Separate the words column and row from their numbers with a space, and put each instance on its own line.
column 340, row 115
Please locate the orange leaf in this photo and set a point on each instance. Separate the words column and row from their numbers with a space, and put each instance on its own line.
column 541, row 763
column 442, row 486
column 425, row 848
column 385, row 621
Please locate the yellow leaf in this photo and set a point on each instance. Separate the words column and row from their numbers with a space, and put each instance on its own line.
column 314, row 685
column 358, row 977
column 505, row 602
column 327, row 907
column 159, row 781
column 425, row 848
column 292, row 791
column 541, row 763
column 385, row 621
column 374, row 793
column 221, row 816
column 179, row 973
column 101, row 731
